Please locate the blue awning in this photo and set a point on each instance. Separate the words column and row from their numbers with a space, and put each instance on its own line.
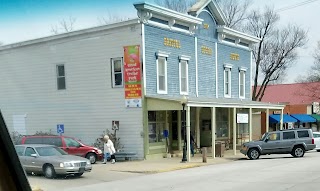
column 304, row 118
column 275, row 118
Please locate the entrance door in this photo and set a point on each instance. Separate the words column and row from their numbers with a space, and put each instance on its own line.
column 174, row 131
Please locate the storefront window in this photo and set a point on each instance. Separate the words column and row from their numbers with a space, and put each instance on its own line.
column 222, row 129
column 156, row 124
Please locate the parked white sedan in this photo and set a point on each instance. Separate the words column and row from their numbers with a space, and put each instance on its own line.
column 316, row 136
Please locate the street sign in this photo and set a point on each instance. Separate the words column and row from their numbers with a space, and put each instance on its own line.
column 60, row 128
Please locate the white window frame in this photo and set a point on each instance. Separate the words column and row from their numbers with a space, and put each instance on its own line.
column 243, row 71
column 165, row 56
column 113, row 72
column 227, row 68
column 58, row 77
column 185, row 59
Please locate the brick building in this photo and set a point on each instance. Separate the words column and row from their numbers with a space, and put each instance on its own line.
column 301, row 102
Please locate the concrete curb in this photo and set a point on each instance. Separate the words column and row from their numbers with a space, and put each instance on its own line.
column 162, row 170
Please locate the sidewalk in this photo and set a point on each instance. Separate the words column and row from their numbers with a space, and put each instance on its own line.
column 165, row 164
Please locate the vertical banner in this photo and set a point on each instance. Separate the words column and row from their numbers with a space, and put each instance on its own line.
column 132, row 76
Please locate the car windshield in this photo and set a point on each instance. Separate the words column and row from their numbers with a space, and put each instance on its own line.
column 50, row 151
column 263, row 136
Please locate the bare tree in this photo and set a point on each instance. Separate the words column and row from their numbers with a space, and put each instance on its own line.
column 314, row 72
column 235, row 11
column 111, row 18
column 276, row 51
column 64, row 26
column 176, row 5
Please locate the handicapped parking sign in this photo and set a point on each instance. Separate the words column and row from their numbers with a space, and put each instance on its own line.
column 60, row 128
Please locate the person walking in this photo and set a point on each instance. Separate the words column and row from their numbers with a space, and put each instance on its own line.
column 109, row 150
column 192, row 143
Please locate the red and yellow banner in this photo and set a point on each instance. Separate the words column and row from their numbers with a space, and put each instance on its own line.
column 132, row 76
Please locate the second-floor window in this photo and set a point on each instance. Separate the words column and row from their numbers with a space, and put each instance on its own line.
column 227, row 82
column 183, row 77
column 117, row 72
column 61, row 77
column 162, row 75
column 242, row 77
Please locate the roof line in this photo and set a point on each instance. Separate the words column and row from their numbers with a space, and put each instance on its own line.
column 69, row 34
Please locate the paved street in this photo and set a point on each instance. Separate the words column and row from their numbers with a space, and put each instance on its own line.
column 100, row 175
column 274, row 172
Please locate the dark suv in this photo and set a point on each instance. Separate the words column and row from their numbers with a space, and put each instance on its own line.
column 295, row 142
column 68, row 144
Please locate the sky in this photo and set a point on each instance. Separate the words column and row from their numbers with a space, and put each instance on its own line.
column 22, row 20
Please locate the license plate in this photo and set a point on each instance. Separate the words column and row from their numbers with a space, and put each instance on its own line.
column 81, row 170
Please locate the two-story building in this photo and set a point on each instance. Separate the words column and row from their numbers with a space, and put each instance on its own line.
column 138, row 73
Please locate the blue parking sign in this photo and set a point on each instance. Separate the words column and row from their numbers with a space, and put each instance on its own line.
column 60, row 128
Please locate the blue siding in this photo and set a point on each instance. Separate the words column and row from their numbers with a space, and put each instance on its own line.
column 209, row 34
column 154, row 41
column 206, row 70
column 224, row 52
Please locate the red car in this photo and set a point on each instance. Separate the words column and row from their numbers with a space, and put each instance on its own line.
column 68, row 144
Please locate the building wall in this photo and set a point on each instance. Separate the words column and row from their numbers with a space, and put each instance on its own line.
column 224, row 52
column 206, row 70
column 296, row 109
column 89, row 103
column 208, row 29
column 154, row 42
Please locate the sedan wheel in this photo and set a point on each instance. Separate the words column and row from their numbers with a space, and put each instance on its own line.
column 298, row 152
column 49, row 171
column 92, row 157
column 253, row 154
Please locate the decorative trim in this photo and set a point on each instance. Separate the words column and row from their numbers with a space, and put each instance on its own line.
column 214, row 8
column 157, row 10
column 144, row 16
column 165, row 26
column 228, row 66
column 216, row 56
column 171, row 22
column 237, row 35
column 184, row 57
column 251, row 83
column 221, row 37
column 196, row 60
column 162, row 53
column 143, row 39
column 241, row 68
column 192, row 29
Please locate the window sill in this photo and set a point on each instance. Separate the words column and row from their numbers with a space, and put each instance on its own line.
column 227, row 96
column 184, row 93
column 162, row 92
column 117, row 86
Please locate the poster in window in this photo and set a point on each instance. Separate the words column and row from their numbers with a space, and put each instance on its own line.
column 242, row 118
column 132, row 76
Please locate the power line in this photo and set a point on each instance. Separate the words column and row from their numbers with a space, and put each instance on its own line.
column 296, row 5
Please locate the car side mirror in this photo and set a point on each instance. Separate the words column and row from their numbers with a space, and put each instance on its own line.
column 267, row 139
column 34, row 155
